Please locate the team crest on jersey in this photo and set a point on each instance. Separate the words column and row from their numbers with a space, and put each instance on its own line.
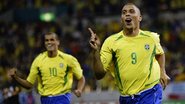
column 61, row 65
column 147, row 47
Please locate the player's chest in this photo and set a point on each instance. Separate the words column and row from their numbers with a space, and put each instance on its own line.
column 53, row 66
column 142, row 46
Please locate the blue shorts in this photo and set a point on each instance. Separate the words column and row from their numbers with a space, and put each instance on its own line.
column 150, row 96
column 58, row 99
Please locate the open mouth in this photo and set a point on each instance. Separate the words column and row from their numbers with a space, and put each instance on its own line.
column 128, row 20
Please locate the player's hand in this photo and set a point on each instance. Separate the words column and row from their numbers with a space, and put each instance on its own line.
column 94, row 40
column 78, row 93
column 164, row 80
column 12, row 72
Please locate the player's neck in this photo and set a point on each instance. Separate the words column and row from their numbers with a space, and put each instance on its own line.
column 52, row 53
column 130, row 32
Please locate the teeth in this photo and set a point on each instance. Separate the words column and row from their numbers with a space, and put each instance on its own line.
column 49, row 45
column 128, row 19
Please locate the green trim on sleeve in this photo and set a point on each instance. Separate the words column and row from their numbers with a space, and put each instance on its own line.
column 65, row 77
column 121, row 36
column 144, row 34
column 117, row 73
column 151, row 60
column 40, row 76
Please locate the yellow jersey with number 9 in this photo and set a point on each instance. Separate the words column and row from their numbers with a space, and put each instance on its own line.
column 131, row 60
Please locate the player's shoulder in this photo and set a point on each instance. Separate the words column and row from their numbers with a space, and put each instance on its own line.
column 115, row 36
column 149, row 33
column 65, row 55
column 41, row 55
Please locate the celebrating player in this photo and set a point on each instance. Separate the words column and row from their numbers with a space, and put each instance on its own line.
column 54, row 71
column 135, row 59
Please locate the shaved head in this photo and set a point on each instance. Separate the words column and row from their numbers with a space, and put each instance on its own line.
column 134, row 6
column 131, row 17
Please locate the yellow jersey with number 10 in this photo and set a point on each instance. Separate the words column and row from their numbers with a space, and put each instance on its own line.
column 55, row 75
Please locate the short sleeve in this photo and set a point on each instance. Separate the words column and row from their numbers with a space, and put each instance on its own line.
column 159, row 49
column 33, row 72
column 106, row 54
column 76, row 68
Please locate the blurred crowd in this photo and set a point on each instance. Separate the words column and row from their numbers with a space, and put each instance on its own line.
column 20, row 42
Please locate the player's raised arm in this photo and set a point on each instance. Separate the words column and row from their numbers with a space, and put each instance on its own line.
column 97, row 64
column 94, row 40
column 24, row 83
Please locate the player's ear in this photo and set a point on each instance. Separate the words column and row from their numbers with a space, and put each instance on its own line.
column 140, row 18
column 58, row 42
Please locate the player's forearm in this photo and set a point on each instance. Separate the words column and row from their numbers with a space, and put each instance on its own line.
column 98, row 66
column 24, row 83
column 161, row 61
column 81, row 83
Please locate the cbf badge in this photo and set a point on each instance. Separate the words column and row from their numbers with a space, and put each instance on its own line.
column 61, row 65
column 147, row 47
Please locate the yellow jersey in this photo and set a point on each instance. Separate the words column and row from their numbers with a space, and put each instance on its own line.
column 55, row 75
column 131, row 60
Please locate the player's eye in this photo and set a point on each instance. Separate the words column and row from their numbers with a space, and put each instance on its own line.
column 51, row 39
column 124, row 12
column 46, row 40
column 132, row 11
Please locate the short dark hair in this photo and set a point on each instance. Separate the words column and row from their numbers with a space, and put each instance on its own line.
column 52, row 33
column 131, row 3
